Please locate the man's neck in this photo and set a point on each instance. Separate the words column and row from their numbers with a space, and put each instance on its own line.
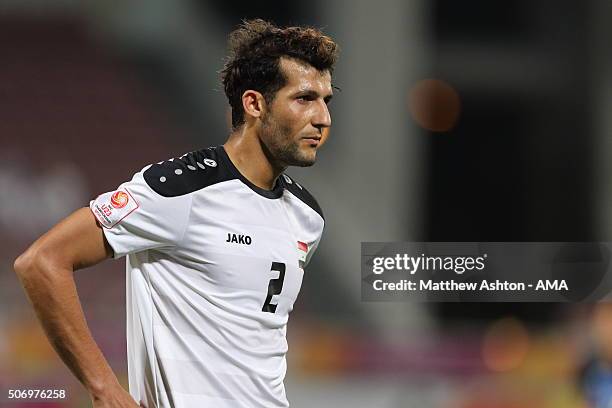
column 247, row 153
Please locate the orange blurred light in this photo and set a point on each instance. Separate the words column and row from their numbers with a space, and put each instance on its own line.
column 434, row 105
column 505, row 345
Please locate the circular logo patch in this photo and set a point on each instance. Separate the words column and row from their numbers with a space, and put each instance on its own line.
column 119, row 199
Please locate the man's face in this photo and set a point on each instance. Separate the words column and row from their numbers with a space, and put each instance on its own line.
column 295, row 120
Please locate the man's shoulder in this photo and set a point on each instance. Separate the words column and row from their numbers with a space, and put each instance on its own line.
column 191, row 172
column 299, row 191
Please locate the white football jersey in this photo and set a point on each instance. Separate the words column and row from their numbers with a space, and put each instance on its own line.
column 214, row 265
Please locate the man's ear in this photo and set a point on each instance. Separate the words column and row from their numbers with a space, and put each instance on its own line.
column 253, row 103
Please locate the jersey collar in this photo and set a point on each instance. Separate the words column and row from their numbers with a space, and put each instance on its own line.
column 276, row 192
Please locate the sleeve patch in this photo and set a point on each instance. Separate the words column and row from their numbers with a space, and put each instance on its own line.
column 110, row 208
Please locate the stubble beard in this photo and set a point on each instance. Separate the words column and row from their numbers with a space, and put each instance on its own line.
column 281, row 149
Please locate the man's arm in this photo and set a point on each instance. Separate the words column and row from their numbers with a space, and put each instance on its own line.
column 46, row 273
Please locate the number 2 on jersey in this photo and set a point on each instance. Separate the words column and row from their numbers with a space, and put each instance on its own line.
column 275, row 287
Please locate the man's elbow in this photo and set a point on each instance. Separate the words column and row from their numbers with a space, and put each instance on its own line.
column 34, row 263
column 23, row 263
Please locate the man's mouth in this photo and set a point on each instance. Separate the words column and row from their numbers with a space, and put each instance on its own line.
column 312, row 140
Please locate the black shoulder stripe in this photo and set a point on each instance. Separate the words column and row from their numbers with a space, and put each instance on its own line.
column 300, row 192
column 191, row 172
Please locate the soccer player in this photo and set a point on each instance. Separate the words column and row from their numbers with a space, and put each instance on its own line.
column 215, row 242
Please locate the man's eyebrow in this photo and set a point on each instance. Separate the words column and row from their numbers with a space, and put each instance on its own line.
column 313, row 94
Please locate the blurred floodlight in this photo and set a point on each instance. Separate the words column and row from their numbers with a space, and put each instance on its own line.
column 434, row 105
column 505, row 345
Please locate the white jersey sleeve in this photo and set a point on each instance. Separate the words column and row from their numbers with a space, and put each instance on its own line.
column 136, row 218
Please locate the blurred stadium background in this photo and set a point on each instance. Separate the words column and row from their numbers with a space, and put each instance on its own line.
column 457, row 121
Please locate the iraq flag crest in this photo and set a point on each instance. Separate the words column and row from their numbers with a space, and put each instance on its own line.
column 302, row 252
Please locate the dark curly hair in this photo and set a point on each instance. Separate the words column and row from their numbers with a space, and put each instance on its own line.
column 253, row 62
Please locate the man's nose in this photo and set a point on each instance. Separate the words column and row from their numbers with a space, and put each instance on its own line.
column 322, row 118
